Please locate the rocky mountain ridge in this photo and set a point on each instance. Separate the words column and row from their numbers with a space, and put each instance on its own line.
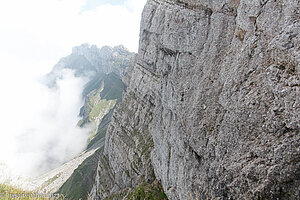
column 212, row 103
column 107, row 59
column 89, row 61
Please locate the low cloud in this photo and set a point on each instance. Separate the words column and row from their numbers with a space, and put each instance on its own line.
column 39, row 131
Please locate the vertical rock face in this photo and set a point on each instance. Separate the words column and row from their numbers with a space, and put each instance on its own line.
column 215, row 94
column 126, row 161
column 230, row 102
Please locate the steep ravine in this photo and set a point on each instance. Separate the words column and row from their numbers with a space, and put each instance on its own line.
column 212, row 107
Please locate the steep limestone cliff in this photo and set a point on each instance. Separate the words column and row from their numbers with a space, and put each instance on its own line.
column 126, row 161
column 214, row 97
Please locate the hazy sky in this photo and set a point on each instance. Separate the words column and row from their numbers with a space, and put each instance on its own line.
column 92, row 4
column 38, row 123
column 39, row 32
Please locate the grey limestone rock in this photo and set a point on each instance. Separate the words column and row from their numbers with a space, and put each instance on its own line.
column 216, row 88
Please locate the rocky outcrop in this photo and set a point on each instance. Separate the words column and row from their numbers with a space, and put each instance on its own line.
column 214, row 96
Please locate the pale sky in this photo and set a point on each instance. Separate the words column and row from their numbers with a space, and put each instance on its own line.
column 37, row 33
column 39, row 122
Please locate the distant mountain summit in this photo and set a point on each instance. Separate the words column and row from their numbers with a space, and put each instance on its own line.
column 107, row 59
column 89, row 60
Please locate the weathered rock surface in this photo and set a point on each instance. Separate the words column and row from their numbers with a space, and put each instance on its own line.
column 215, row 95
column 126, row 159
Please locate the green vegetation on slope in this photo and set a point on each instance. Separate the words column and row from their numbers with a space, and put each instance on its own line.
column 102, row 94
column 9, row 189
column 145, row 191
column 101, row 130
column 99, row 106
column 9, row 193
column 95, row 83
column 81, row 182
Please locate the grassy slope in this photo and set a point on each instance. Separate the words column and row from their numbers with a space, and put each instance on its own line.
column 145, row 191
column 81, row 181
column 112, row 91
column 101, row 129
column 8, row 192
column 95, row 83
column 99, row 105
column 108, row 96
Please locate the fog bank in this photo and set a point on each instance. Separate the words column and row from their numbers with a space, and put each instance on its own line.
column 39, row 129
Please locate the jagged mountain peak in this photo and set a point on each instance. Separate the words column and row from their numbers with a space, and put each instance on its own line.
column 88, row 60
column 104, row 51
